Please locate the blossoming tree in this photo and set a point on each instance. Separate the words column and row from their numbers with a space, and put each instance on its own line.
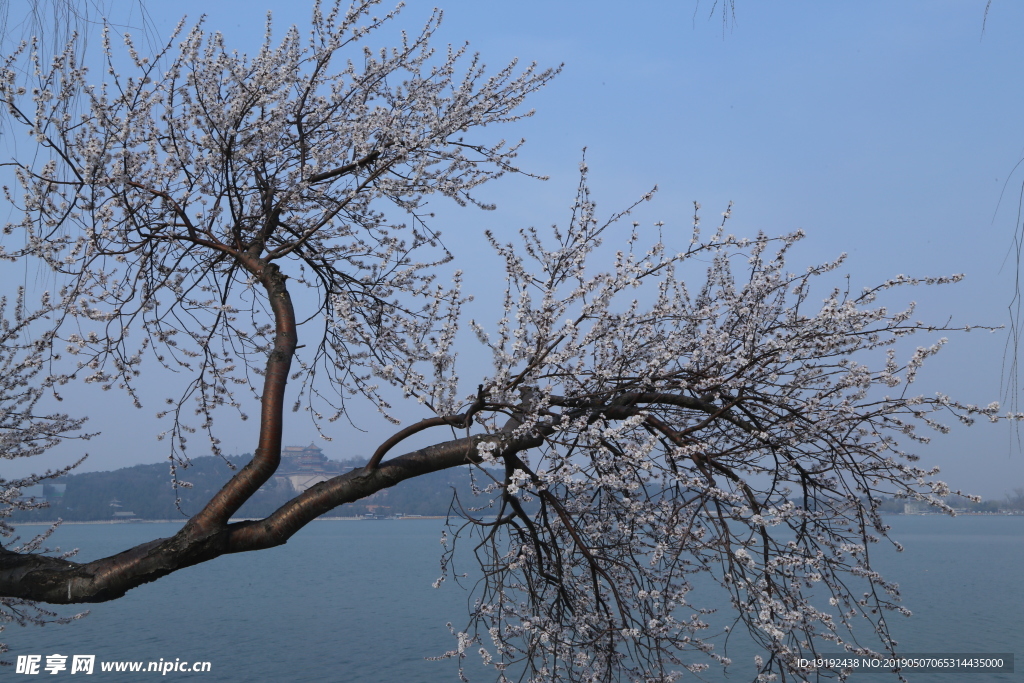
column 649, row 432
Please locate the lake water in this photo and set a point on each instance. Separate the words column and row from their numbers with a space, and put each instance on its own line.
column 352, row 601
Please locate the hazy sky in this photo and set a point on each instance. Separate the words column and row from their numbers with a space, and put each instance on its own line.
column 890, row 131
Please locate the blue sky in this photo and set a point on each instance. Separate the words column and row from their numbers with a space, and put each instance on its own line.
column 890, row 131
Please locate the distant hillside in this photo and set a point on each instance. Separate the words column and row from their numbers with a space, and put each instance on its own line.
column 146, row 492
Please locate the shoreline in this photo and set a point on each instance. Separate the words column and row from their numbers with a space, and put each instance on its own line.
column 232, row 520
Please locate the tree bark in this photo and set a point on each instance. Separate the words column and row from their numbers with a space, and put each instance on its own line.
column 57, row 581
column 267, row 456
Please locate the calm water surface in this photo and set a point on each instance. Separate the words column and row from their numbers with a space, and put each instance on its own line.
column 352, row 601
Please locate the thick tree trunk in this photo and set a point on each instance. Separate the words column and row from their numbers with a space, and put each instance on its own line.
column 267, row 456
column 52, row 580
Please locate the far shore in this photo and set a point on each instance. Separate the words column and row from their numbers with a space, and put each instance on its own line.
column 232, row 520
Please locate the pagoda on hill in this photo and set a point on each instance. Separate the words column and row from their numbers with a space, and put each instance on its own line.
column 303, row 460
column 304, row 466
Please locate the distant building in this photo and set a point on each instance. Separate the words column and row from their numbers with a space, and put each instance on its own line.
column 305, row 466
column 35, row 491
column 121, row 515
column 40, row 492
column 54, row 491
column 302, row 459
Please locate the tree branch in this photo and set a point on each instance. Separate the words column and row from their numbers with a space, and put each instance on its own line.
column 57, row 581
column 346, row 169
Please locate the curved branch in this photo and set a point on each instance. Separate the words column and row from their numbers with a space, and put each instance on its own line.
column 267, row 456
column 461, row 421
column 58, row 581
